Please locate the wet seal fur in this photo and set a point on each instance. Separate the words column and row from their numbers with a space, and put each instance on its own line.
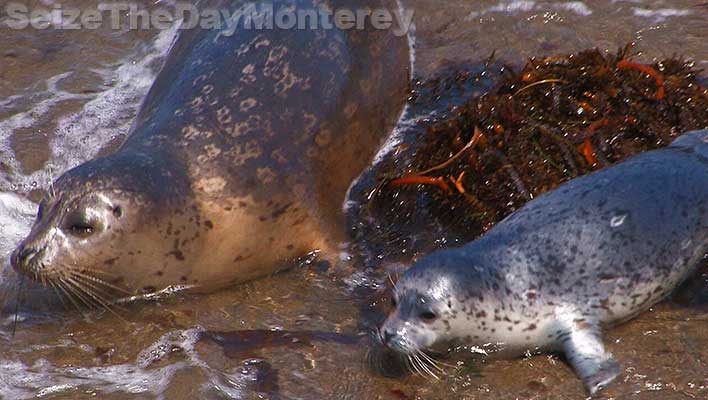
column 238, row 162
column 593, row 253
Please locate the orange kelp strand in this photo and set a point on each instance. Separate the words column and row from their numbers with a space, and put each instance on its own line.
column 422, row 180
column 597, row 125
column 658, row 77
column 477, row 137
column 588, row 152
column 458, row 182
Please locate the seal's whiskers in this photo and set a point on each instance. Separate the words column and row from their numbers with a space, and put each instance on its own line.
column 433, row 362
column 90, row 290
column 88, row 276
column 410, row 365
column 17, row 305
column 424, row 365
column 58, row 293
column 52, row 194
column 90, row 284
column 90, row 305
column 393, row 283
column 69, row 294
column 93, row 295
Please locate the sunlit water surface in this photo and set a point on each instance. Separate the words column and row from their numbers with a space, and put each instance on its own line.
column 66, row 96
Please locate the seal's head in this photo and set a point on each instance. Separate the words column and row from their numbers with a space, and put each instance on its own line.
column 97, row 224
column 427, row 300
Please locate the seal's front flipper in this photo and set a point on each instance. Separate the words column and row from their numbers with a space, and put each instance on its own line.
column 584, row 350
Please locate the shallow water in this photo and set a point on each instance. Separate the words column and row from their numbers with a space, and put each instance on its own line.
column 66, row 96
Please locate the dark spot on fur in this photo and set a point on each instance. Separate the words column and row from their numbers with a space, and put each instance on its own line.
column 209, row 224
column 240, row 258
column 159, row 273
column 177, row 253
column 290, row 247
column 280, row 211
column 299, row 221
column 110, row 262
column 582, row 324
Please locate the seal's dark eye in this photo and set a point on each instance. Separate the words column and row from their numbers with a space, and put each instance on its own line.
column 428, row 316
column 77, row 225
column 81, row 229
column 118, row 212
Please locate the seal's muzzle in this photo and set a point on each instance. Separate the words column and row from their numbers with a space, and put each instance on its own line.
column 24, row 259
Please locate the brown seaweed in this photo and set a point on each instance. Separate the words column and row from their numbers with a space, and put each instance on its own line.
column 555, row 119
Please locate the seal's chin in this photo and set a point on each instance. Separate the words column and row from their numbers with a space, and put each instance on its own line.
column 415, row 357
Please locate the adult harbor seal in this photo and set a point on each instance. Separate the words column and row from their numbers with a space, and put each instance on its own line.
column 593, row 253
column 237, row 163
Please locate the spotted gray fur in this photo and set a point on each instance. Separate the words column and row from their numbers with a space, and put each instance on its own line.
column 593, row 253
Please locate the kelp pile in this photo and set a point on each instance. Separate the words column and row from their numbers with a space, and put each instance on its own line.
column 555, row 119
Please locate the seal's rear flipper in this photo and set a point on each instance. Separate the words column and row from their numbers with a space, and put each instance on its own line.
column 584, row 350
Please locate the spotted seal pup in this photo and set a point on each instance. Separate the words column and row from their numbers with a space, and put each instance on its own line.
column 237, row 163
column 593, row 253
